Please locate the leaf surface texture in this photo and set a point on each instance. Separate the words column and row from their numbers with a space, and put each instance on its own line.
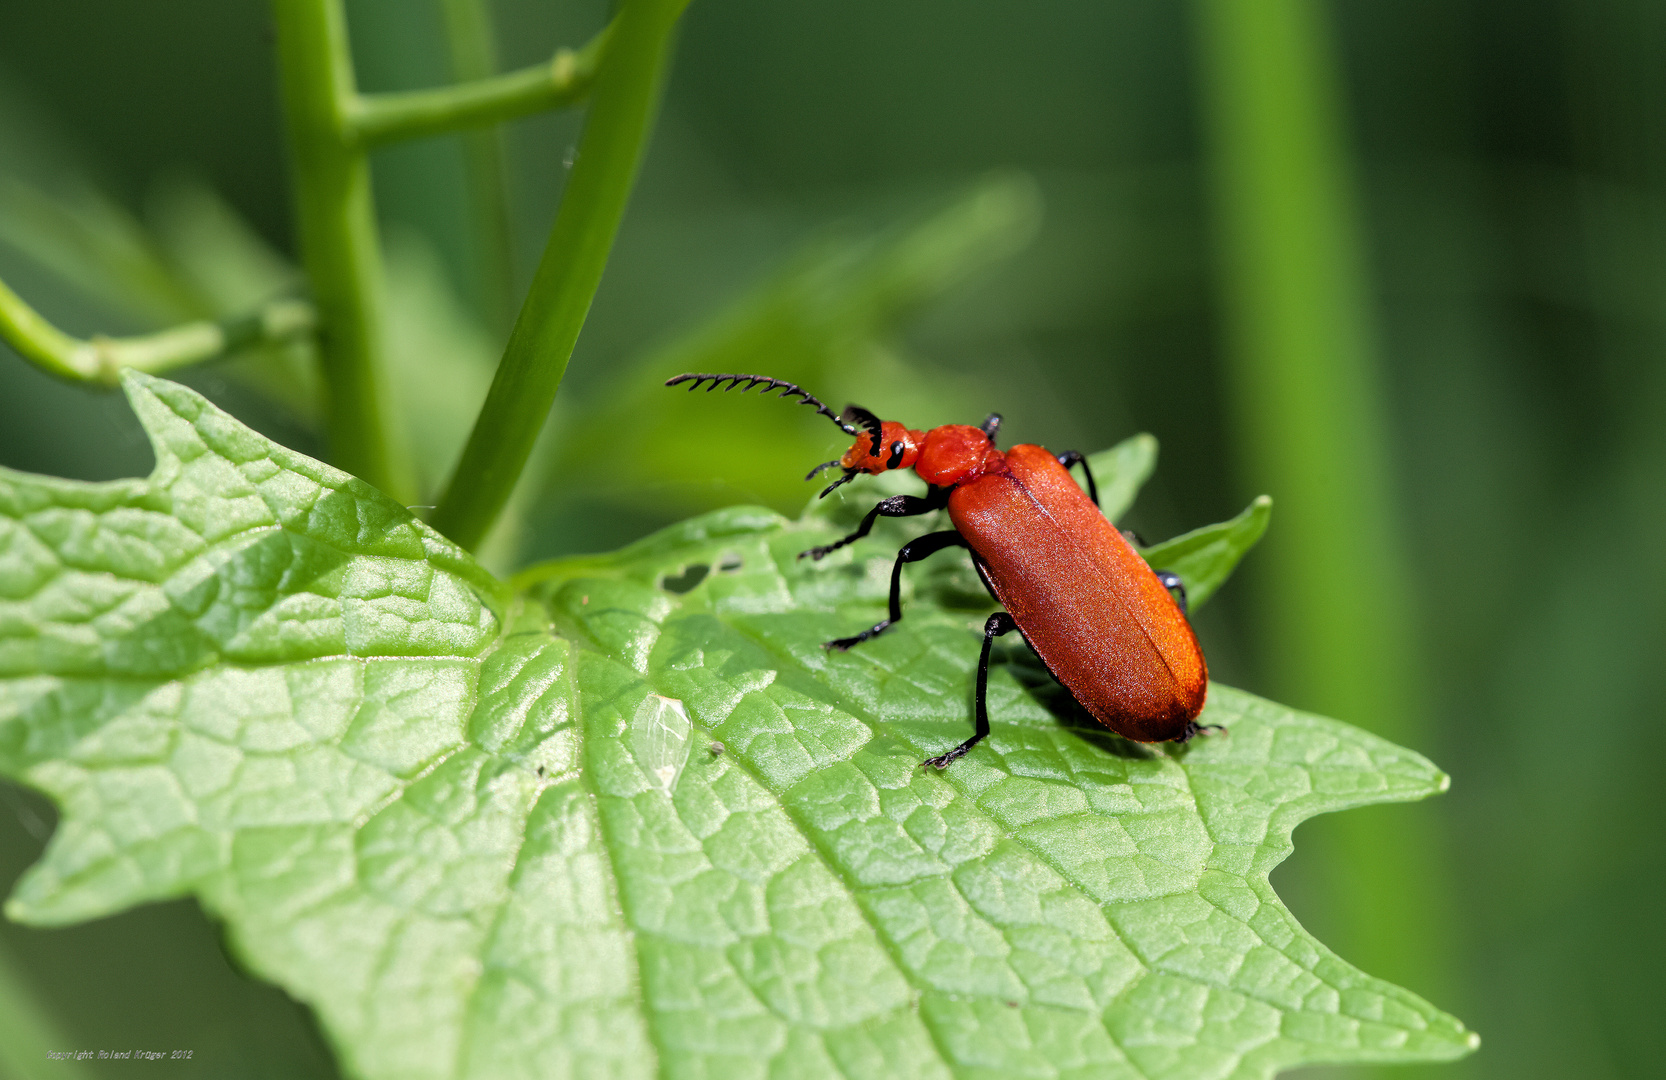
column 632, row 819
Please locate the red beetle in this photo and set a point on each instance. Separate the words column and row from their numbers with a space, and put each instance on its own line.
column 1106, row 625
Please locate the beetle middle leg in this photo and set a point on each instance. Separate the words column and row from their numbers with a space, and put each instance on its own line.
column 913, row 551
column 998, row 624
column 1076, row 457
column 1171, row 581
column 896, row 506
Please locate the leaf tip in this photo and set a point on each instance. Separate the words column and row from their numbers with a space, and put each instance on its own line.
column 141, row 388
column 39, row 909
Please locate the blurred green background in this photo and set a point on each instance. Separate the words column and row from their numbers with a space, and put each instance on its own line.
column 1402, row 266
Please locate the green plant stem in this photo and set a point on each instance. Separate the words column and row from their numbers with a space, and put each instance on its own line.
column 411, row 114
column 472, row 39
column 1307, row 390
column 101, row 359
column 338, row 238
column 621, row 114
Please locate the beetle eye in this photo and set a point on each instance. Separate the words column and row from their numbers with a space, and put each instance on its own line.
column 896, row 454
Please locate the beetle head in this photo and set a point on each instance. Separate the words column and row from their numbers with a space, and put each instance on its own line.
column 898, row 447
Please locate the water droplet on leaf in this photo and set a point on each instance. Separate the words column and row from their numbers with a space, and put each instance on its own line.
column 658, row 737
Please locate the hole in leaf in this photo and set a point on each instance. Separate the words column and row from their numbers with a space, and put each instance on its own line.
column 729, row 563
column 683, row 582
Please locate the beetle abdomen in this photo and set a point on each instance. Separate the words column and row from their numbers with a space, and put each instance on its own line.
column 1084, row 599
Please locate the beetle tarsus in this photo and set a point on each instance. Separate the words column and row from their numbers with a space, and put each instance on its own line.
column 998, row 624
column 1194, row 729
column 841, row 644
column 941, row 761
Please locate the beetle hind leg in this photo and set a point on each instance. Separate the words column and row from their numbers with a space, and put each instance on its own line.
column 998, row 624
column 1194, row 729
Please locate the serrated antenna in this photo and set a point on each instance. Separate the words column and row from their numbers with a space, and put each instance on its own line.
column 863, row 418
column 749, row 382
column 852, row 421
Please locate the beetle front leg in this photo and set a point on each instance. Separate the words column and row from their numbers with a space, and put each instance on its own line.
column 913, row 551
column 998, row 624
column 896, row 506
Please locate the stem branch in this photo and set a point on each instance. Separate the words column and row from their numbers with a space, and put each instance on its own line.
column 100, row 359
column 621, row 114
column 411, row 114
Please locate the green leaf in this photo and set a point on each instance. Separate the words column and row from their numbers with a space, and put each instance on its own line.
column 1121, row 471
column 1204, row 558
column 634, row 820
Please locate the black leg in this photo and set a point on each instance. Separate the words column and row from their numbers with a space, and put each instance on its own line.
column 896, row 506
column 983, row 576
column 998, row 624
column 913, row 551
column 1075, row 457
column 1171, row 581
column 991, row 425
column 1194, row 729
